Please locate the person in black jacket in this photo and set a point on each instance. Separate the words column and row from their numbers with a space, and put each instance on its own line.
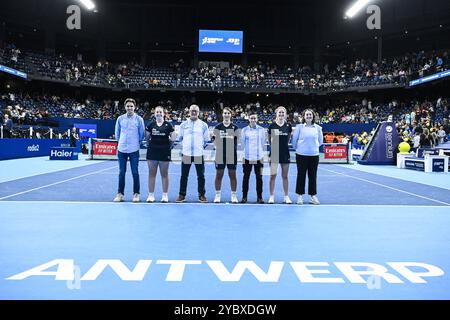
column 74, row 137
column 7, row 127
column 426, row 139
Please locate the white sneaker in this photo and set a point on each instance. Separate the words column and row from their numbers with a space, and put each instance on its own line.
column 271, row 199
column 287, row 200
column 136, row 197
column 165, row 199
column 300, row 200
column 314, row 200
column 151, row 198
column 217, row 198
column 118, row 198
column 234, row 198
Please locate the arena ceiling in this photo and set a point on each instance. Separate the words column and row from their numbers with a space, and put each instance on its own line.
column 269, row 26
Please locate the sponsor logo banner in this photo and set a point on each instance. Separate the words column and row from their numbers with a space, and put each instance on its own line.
column 335, row 152
column 105, row 148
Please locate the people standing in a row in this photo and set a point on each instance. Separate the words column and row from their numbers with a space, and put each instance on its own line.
column 129, row 132
column 307, row 139
column 226, row 135
column 279, row 136
column 193, row 135
column 160, row 135
column 253, row 138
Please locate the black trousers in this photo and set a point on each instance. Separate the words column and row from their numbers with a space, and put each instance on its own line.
column 186, row 167
column 247, row 166
column 6, row 134
column 306, row 164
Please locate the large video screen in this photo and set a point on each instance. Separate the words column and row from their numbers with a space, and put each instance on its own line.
column 220, row 41
column 86, row 131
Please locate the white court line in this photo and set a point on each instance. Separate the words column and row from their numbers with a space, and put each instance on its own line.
column 55, row 183
column 39, row 174
column 220, row 204
column 48, row 172
column 391, row 176
column 388, row 187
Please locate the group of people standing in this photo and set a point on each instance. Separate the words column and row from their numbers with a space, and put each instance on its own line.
column 194, row 135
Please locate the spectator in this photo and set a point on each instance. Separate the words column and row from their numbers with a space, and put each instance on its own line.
column 7, row 127
column 426, row 140
column 74, row 137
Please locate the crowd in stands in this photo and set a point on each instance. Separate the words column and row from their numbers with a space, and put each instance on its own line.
column 358, row 73
column 40, row 110
column 423, row 135
column 33, row 108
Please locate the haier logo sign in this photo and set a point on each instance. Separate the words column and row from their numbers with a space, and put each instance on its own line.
column 59, row 153
column 33, row 148
column 220, row 41
column 63, row 154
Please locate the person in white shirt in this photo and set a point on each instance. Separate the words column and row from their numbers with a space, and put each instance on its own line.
column 307, row 139
column 413, row 117
column 193, row 135
column 441, row 135
column 253, row 138
column 345, row 140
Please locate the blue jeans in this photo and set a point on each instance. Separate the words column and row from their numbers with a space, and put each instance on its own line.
column 134, row 162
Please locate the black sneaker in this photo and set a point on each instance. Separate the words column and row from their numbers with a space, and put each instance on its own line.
column 181, row 198
column 202, row 199
column 260, row 201
column 244, row 200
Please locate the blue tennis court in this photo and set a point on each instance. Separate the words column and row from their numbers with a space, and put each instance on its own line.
column 380, row 233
